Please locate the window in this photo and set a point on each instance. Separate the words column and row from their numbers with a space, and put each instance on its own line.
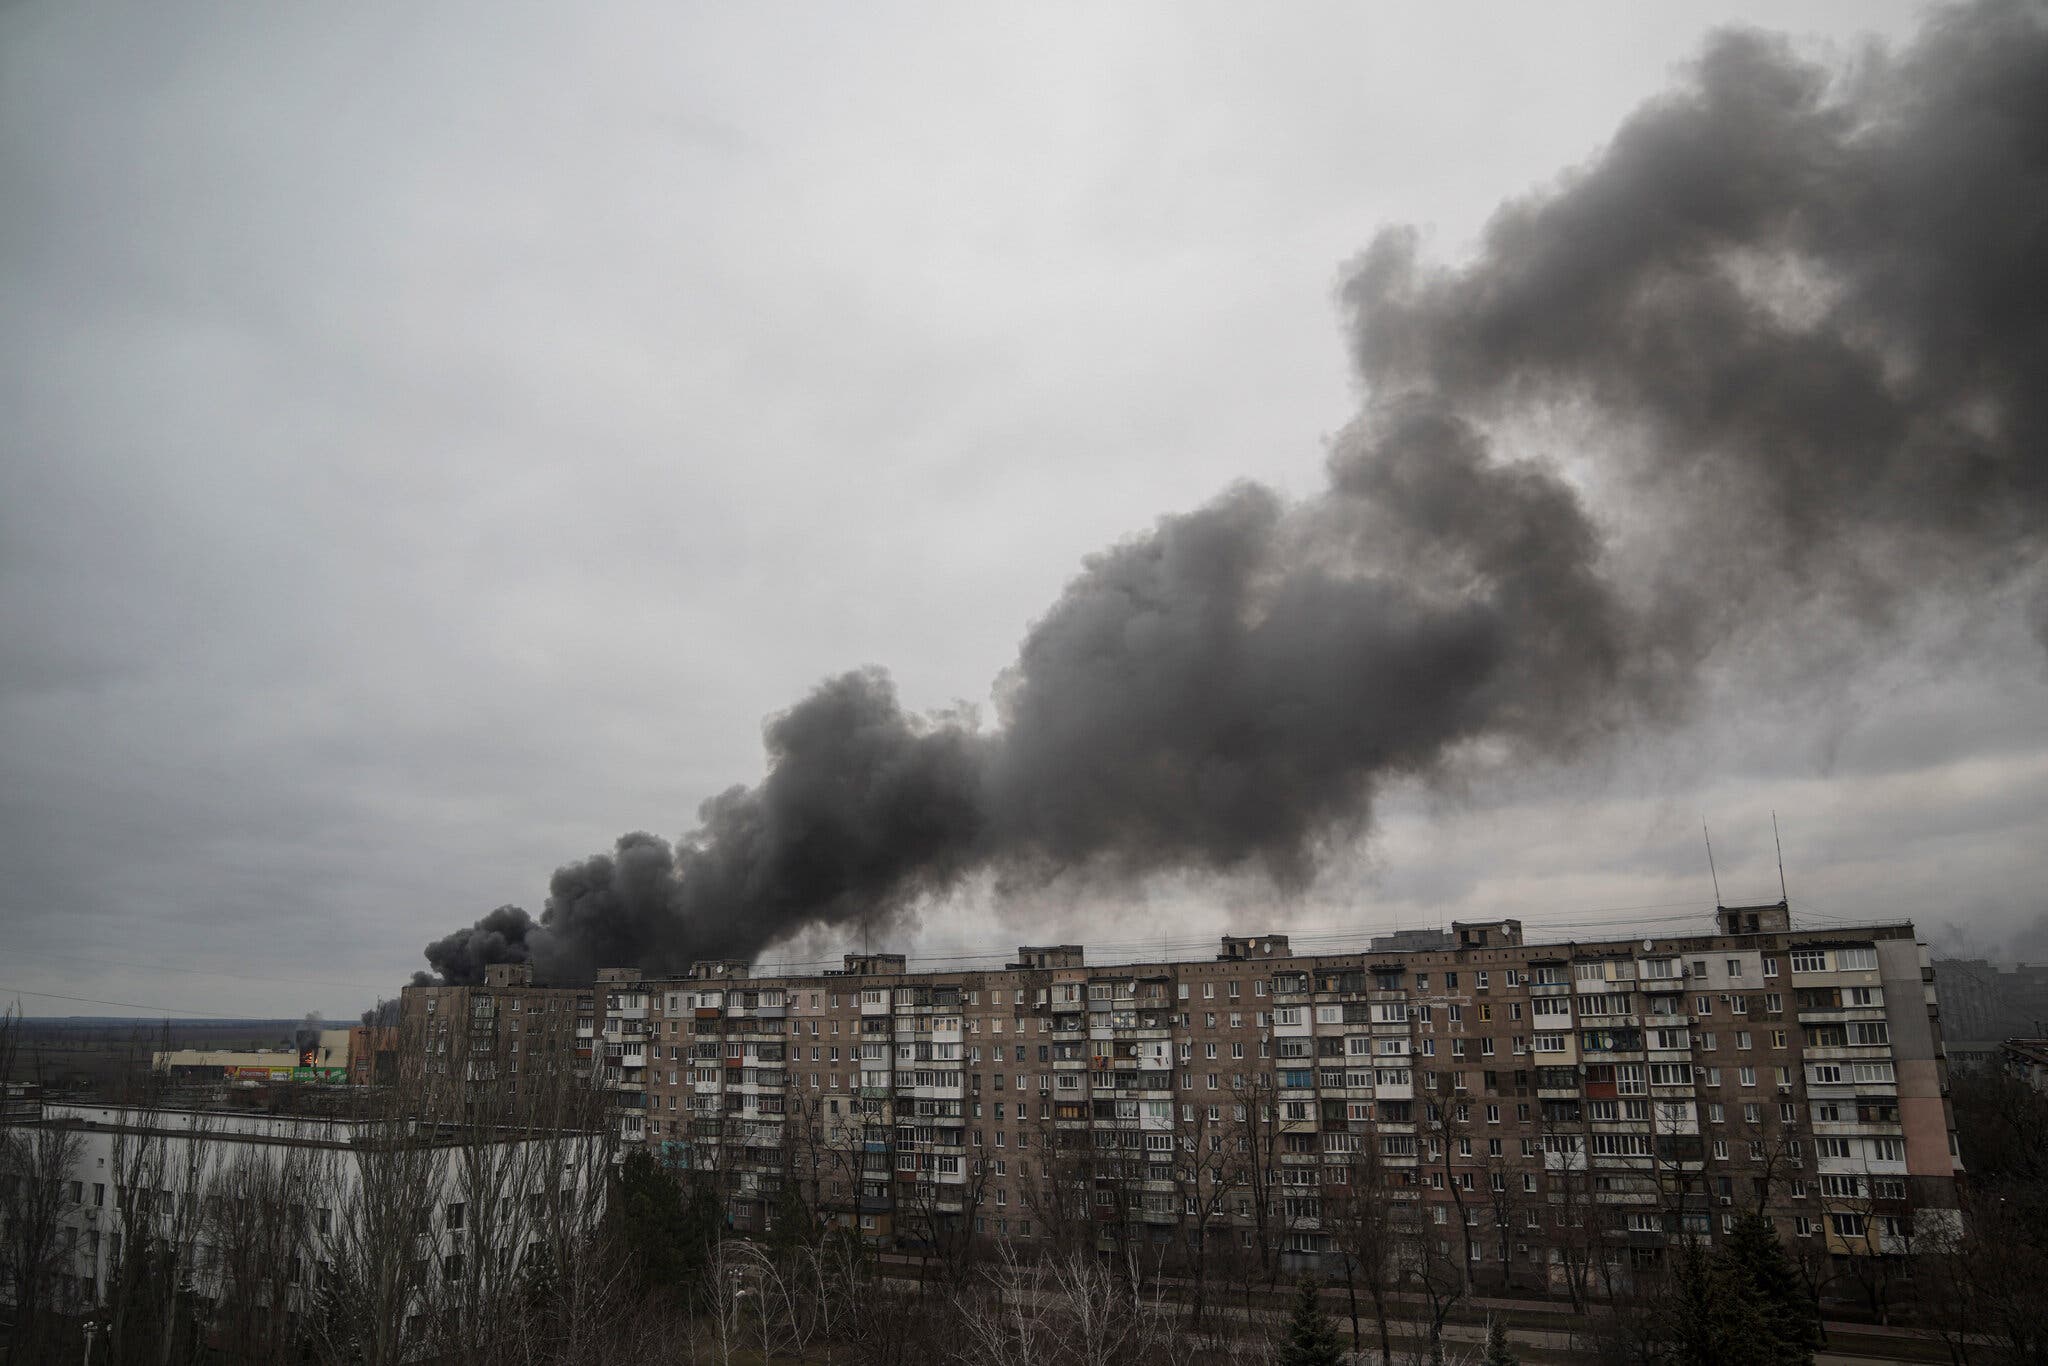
column 1809, row 960
column 1856, row 960
column 455, row 1215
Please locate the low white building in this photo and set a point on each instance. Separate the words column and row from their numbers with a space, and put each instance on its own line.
column 258, row 1214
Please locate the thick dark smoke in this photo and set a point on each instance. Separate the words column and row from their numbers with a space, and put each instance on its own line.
column 1799, row 319
column 500, row 937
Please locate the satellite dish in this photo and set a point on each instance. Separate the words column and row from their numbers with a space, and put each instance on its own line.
column 1649, row 944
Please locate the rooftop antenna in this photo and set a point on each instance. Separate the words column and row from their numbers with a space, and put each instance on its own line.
column 1710, row 860
column 1783, row 895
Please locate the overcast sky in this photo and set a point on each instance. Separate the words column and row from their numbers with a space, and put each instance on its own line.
column 433, row 438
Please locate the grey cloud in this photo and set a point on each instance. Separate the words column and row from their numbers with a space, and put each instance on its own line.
column 427, row 450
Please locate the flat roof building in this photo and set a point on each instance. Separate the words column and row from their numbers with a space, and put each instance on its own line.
column 1663, row 1082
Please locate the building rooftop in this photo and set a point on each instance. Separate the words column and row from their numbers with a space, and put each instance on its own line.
column 1461, row 939
column 244, row 1126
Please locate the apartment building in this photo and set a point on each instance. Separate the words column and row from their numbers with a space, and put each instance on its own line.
column 373, row 1052
column 464, row 1044
column 1509, row 1097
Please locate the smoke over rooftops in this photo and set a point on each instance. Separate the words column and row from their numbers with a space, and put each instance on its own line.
column 1801, row 316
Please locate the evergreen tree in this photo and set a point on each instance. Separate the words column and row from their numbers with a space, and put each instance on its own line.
column 1759, row 1270
column 1498, row 1353
column 1311, row 1338
column 1712, row 1317
column 669, row 1225
column 650, row 1214
column 794, row 1227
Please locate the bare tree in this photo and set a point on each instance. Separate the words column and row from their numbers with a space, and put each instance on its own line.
column 1206, row 1171
column 1060, row 1195
column 159, row 1185
column 1447, row 1130
column 1371, row 1223
column 1259, row 1138
column 1575, row 1236
column 387, row 1197
column 942, row 1215
column 1067, row 1309
column 39, row 1196
column 260, row 1229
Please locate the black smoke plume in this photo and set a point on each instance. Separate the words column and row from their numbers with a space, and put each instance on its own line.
column 1798, row 317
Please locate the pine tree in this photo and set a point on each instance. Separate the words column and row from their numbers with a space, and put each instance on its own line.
column 670, row 1224
column 794, row 1228
column 1311, row 1338
column 1757, row 1267
column 1712, row 1317
column 1498, row 1353
column 649, row 1208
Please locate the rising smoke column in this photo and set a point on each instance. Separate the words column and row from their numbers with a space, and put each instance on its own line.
column 1801, row 319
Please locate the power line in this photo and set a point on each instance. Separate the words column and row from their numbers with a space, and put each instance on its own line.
column 131, row 1005
column 192, row 972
